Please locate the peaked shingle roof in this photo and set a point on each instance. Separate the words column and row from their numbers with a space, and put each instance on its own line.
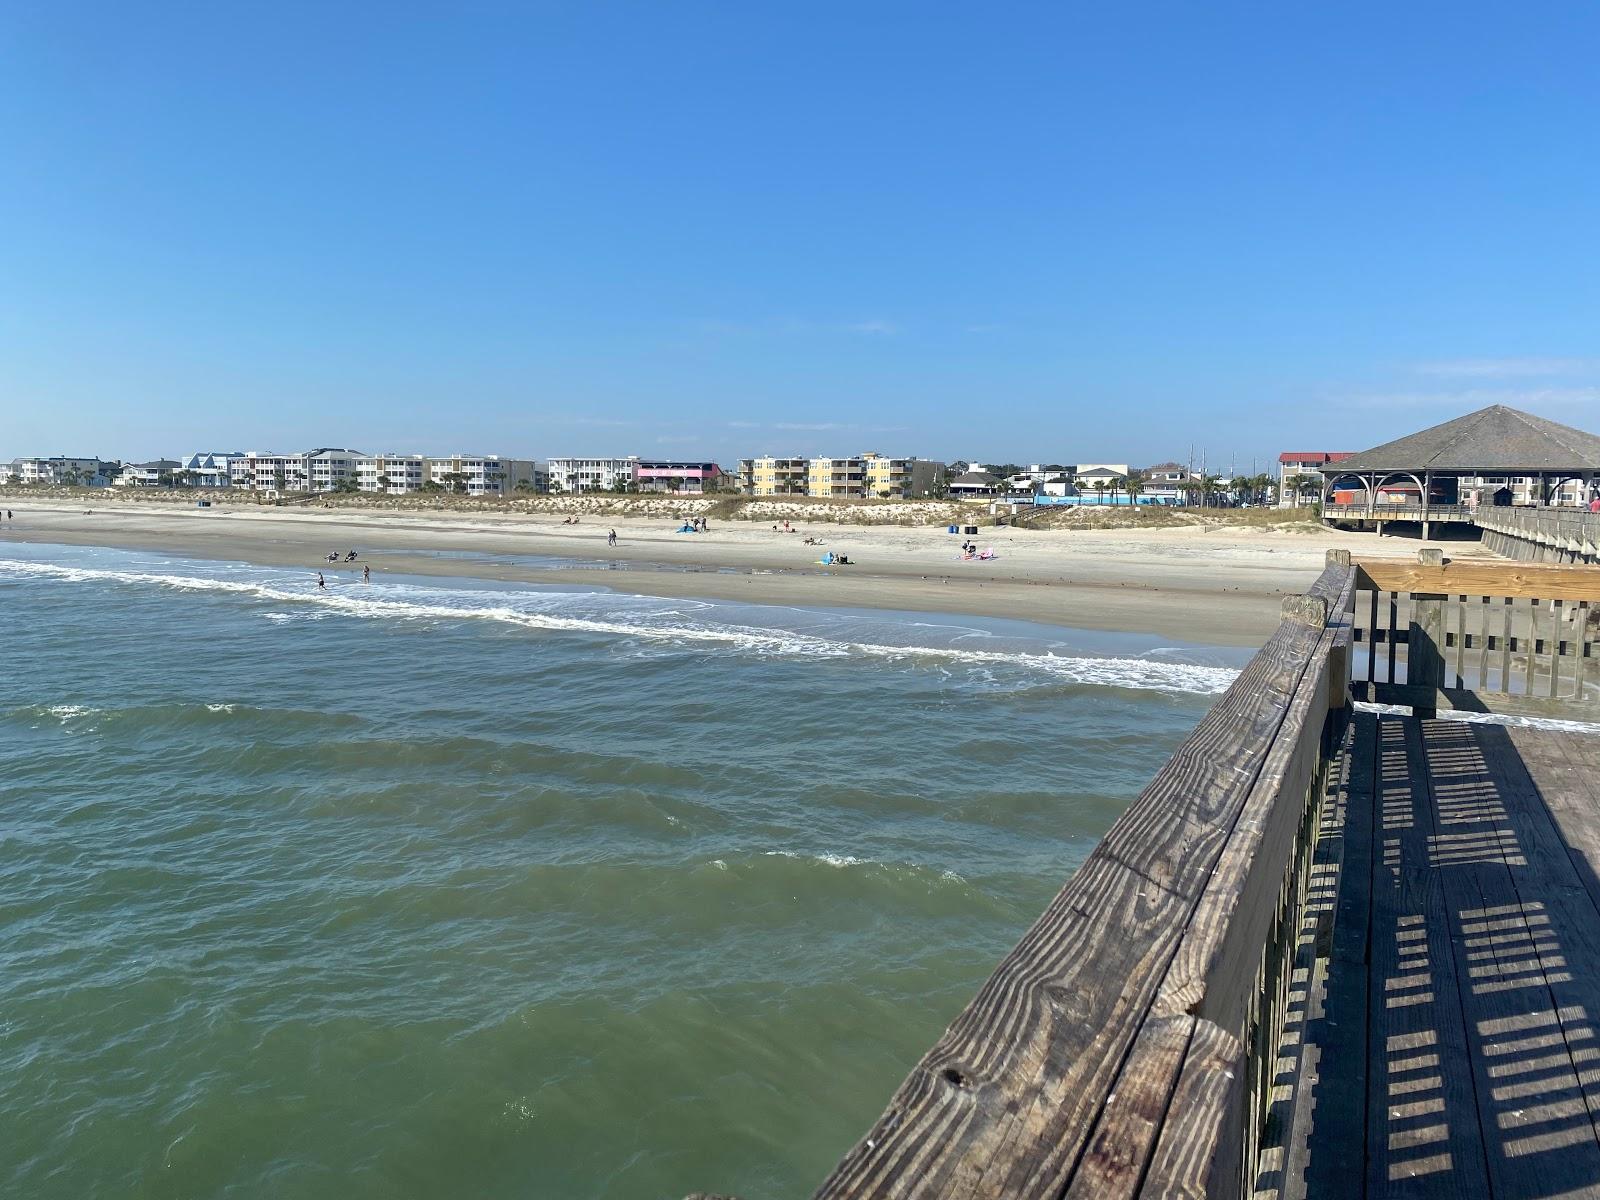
column 1496, row 438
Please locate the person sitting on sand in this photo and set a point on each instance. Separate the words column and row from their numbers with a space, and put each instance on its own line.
column 843, row 560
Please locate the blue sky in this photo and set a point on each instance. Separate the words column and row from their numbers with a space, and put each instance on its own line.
column 1066, row 232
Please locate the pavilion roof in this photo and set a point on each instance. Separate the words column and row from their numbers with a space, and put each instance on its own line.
column 1496, row 438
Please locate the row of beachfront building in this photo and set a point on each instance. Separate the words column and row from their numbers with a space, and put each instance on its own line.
column 869, row 474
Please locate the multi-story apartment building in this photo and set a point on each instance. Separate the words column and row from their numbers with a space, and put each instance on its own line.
column 894, row 478
column 327, row 467
column 90, row 472
column 1313, row 468
column 688, row 476
column 391, row 474
column 266, row 471
column 770, row 476
column 592, row 474
column 480, row 474
column 838, row 478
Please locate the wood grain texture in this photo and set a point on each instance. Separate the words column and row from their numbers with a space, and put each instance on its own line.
column 1481, row 578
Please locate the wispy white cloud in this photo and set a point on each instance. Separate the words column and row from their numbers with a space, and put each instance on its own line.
column 808, row 426
column 743, row 424
column 875, row 328
column 1508, row 368
column 610, row 422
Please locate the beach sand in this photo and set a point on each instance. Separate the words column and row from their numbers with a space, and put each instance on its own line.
column 1216, row 586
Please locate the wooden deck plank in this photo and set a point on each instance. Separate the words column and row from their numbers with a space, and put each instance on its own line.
column 1566, row 769
column 1422, row 1135
column 1517, row 919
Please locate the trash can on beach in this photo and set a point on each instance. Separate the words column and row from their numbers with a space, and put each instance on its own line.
column 955, row 529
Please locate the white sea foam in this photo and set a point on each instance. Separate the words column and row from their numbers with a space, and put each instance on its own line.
column 69, row 712
column 643, row 618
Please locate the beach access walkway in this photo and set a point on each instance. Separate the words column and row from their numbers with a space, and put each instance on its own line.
column 1345, row 943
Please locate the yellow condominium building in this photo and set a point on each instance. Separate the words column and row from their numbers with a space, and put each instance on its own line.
column 887, row 477
column 837, row 477
column 771, row 476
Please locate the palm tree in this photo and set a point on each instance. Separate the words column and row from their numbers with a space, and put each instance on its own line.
column 1209, row 486
column 1133, row 485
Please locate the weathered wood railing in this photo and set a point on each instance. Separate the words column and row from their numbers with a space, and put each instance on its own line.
column 1542, row 534
column 1124, row 1047
column 1479, row 635
column 1410, row 511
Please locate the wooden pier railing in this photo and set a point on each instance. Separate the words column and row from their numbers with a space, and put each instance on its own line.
column 1542, row 534
column 1485, row 636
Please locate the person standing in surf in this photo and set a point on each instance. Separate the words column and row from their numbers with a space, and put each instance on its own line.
column 321, row 582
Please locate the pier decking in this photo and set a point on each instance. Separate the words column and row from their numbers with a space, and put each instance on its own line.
column 1443, row 1032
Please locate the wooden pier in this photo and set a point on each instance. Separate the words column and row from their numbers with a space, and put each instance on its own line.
column 1333, row 949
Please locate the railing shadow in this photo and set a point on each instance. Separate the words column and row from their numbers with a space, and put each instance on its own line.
column 1483, row 990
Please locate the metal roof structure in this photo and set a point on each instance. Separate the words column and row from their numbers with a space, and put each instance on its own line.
column 1496, row 438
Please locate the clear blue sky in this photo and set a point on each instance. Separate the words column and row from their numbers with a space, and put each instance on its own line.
column 1034, row 231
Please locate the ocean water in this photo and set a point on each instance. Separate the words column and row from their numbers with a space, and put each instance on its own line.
column 438, row 889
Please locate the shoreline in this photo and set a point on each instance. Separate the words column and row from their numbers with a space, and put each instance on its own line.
column 1205, row 586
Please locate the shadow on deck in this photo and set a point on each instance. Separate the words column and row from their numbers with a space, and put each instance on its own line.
column 1441, row 1035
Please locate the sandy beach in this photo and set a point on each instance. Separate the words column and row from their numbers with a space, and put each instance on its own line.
column 1216, row 586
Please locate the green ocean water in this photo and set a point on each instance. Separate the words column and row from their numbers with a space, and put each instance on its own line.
column 433, row 890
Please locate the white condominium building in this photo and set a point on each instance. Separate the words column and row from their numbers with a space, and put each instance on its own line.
column 480, row 474
column 327, row 467
column 59, row 470
column 391, row 474
column 265, row 471
column 592, row 474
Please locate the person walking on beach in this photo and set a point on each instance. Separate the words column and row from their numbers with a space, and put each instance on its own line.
column 366, row 574
column 611, row 538
column 321, row 582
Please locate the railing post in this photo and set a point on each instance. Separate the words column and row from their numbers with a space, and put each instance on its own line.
column 1339, row 656
column 1425, row 640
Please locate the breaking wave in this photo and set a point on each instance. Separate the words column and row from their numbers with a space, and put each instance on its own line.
column 677, row 623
